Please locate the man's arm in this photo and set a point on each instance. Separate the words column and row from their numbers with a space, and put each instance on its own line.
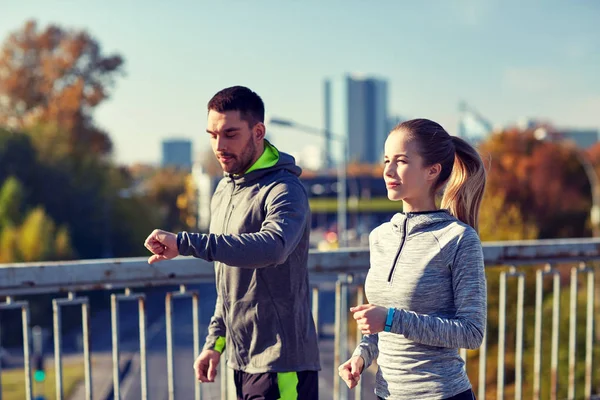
column 280, row 233
column 215, row 340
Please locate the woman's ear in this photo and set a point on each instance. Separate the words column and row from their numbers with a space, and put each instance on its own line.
column 433, row 172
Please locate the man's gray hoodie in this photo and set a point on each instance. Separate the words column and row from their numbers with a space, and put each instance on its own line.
column 259, row 241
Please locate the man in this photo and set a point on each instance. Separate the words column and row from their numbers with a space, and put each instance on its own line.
column 258, row 240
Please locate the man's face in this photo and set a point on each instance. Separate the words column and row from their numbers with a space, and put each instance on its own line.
column 233, row 141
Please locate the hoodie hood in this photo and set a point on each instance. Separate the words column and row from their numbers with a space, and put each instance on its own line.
column 285, row 162
column 416, row 221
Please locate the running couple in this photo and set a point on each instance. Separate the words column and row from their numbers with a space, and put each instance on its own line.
column 425, row 285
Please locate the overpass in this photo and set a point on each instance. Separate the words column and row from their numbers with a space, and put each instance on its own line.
column 541, row 340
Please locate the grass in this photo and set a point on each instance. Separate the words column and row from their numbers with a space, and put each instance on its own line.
column 13, row 382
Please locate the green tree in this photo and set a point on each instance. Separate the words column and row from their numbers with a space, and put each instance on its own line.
column 39, row 239
column 164, row 188
column 11, row 202
column 8, row 244
column 63, row 249
column 500, row 220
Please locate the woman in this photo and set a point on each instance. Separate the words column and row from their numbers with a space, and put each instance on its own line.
column 426, row 284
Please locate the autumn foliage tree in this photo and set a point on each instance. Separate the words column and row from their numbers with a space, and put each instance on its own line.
column 51, row 80
column 544, row 180
column 56, row 76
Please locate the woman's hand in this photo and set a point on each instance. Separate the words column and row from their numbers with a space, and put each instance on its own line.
column 370, row 318
column 350, row 371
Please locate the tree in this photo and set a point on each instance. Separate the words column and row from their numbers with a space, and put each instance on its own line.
column 8, row 244
column 35, row 238
column 11, row 202
column 56, row 76
column 17, row 156
column 163, row 189
column 544, row 180
column 187, row 202
column 500, row 220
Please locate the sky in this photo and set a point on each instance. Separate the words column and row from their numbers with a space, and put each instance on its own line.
column 508, row 59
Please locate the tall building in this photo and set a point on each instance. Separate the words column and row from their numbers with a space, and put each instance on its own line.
column 177, row 153
column 356, row 107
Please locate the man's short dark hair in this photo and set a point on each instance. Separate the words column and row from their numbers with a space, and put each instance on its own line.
column 242, row 99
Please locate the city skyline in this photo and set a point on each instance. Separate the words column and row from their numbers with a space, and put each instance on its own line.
column 177, row 152
column 356, row 106
column 508, row 59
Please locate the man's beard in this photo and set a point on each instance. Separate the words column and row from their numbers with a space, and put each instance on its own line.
column 245, row 159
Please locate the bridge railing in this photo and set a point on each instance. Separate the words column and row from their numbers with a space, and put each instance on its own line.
column 529, row 284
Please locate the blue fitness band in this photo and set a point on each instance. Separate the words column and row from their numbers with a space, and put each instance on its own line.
column 390, row 319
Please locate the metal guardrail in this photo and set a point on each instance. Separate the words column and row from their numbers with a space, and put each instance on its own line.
column 74, row 276
column 347, row 267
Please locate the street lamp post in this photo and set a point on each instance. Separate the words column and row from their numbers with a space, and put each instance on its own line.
column 341, row 171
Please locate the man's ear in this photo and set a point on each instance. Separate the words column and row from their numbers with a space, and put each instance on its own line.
column 259, row 130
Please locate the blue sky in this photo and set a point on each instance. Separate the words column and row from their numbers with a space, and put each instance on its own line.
column 508, row 59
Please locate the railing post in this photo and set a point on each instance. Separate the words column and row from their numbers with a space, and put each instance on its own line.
column 360, row 299
column 341, row 333
column 181, row 294
column 315, row 309
column 589, row 333
column 482, row 367
column 555, row 336
column 24, row 306
column 572, row 332
column 128, row 296
column 502, row 333
column 589, row 338
column 57, row 305
column 336, row 340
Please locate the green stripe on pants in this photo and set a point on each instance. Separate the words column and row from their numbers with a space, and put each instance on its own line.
column 288, row 385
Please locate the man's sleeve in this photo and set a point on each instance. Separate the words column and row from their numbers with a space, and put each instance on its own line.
column 281, row 231
column 215, row 340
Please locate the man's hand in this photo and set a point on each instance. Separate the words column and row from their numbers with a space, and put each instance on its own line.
column 206, row 365
column 350, row 371
column 162, row 244
column 370, row 318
